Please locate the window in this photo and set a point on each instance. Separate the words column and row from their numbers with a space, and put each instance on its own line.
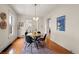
column 10, row 25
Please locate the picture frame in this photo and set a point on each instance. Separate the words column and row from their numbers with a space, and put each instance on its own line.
column 3, row 15
column 21, row 24
column 61, row 23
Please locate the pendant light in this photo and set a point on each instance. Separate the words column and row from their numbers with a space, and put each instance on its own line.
column 35, row 17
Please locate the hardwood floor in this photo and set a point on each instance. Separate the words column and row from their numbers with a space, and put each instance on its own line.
column 57, row 48
column 18, row 46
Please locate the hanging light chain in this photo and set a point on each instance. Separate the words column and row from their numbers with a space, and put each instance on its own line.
column 35, row 18
column 35, row 10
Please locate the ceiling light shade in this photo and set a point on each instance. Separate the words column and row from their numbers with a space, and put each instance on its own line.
column 36, row 18
column 33, row 18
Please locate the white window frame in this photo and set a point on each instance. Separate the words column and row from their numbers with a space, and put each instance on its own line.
column 11, row 23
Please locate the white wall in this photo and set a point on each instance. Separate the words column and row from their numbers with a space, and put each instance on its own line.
column 5, row 38
column 41, row 25
column 26, row 20
column 70, row 38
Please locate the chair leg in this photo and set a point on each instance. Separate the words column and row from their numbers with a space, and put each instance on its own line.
column 29, row 45
column 37, row 45
column 31, row 48
column 44, row 45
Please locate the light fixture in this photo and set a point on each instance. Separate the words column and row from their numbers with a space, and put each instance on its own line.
column 35, row 18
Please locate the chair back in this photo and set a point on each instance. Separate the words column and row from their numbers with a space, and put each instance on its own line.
column 44, row 37
column 29, row 39
column 26, row 33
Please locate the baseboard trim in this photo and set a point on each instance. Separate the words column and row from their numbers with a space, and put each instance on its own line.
column 4, row 51
column 56, row 47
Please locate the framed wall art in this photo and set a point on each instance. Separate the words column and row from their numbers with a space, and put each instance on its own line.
column 3, row 23
column 61, row 23
column 3, row 15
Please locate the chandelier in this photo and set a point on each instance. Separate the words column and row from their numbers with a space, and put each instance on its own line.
column 35, row 17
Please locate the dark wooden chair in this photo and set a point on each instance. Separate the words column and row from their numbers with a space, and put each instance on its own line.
column 41, row 41
column 29, row 41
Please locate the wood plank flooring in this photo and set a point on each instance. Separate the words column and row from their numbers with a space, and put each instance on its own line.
column 18, row 47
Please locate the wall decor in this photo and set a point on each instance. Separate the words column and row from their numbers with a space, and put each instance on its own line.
column 3, row 24
column 61, row 23
column 3, row 15
column 21, row 24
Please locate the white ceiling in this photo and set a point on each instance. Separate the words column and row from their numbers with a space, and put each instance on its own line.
column 29, row 9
